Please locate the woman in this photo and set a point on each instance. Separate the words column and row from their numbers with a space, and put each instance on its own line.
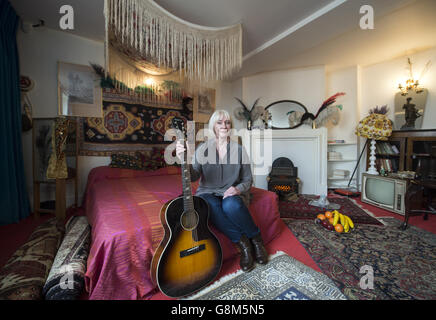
column 225, row 181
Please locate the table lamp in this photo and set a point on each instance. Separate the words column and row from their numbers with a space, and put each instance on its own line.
column 375, row 127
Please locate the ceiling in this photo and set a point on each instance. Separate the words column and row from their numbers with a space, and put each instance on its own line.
column 280, row 33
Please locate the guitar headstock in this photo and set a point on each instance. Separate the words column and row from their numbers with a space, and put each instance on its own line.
column 179, row 125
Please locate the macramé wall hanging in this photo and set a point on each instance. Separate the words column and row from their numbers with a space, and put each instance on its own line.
column 144, row 40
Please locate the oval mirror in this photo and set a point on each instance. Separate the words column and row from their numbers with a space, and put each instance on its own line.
column 280, row 112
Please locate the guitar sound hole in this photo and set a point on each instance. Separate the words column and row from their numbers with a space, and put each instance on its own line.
column 189, row 220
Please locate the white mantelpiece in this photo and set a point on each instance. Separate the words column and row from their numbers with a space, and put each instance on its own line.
column 306, row 148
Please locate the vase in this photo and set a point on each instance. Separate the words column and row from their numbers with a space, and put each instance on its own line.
column 248, row 124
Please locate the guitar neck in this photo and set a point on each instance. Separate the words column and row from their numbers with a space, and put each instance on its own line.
column 188, row 202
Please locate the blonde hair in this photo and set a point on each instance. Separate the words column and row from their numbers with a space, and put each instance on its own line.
column 216, row 116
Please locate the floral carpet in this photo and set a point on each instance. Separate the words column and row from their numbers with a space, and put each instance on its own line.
column 301, row 209
column 282, row 278
column 402, row 263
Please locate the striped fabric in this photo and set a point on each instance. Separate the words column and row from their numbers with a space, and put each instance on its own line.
column 123, row 209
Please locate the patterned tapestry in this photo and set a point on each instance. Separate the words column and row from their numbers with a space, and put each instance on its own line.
column 128, row 125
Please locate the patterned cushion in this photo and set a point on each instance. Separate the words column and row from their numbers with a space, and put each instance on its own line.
column 125, row 161
column 145, row 160
column 153, row 159
column 66, row 279
column 24, row 275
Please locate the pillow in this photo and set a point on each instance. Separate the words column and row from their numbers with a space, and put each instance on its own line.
column 125, row 161
column 24, row 275
column 66, row 279
column 152, row 160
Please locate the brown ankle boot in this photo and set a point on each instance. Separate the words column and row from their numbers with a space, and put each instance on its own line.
column 260, row 252
column 246, row 261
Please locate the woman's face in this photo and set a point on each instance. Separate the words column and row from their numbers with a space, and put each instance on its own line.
column 222, row 127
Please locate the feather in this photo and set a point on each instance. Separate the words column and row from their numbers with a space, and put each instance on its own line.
column 328, row 102
column 294, row 118
column 383, row 110
column 246, row 113
column 328, row 114
column 239, row 113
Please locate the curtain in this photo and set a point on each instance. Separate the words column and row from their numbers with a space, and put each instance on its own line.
column 14, row 200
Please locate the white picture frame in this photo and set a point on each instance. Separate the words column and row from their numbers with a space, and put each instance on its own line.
column 79, row 91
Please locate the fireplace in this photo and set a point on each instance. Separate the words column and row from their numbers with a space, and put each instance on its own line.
column 307, row 148
column 283, row 178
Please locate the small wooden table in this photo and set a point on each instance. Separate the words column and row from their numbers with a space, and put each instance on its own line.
column 414, row 200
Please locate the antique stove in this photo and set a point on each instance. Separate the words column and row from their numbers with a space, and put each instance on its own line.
column 283, row 178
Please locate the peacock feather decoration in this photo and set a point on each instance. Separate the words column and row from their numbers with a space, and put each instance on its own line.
column 327, row 113
column 243, row 113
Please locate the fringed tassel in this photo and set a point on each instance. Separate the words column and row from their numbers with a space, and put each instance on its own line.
column 152, row 33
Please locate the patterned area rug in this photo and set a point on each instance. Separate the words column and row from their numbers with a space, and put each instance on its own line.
column 403, row 262
column 282, row 278
column 66, row 279
column 301, row 209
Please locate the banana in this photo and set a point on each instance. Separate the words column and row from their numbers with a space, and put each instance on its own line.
column 346, row 225
column 342, row 217
column 335, row 218
column 346, row 228
column 350, row 222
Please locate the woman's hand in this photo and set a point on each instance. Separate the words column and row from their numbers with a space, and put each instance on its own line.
column 180, row 149
column 232, row 191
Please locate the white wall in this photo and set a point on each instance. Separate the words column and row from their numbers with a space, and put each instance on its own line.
column 305, row 85
column 344, row 80
column 380, row 84
column 39, row 52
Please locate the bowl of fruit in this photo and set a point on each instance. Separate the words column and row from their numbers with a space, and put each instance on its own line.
column 335, row 221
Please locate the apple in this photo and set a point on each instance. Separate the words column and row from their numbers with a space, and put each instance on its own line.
column 325, row 223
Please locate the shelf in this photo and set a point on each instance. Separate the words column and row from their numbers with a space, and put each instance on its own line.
column 342, row 160
column 386, row 155
column 335, row 178
column 341, row 144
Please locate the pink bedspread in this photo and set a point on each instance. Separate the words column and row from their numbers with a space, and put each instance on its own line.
column 123, row 209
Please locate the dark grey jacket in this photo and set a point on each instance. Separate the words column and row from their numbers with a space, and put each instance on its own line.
column 217, row 175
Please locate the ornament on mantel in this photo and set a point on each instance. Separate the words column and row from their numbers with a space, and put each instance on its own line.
column 249, row 115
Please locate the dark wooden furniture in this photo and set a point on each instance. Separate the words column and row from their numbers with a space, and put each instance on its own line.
column 409, row 143
column 418, row 199
column 417, row 153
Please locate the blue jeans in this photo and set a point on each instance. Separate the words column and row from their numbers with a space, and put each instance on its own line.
column 230, row 216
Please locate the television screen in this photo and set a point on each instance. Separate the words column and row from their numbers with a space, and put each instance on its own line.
column 380, row 191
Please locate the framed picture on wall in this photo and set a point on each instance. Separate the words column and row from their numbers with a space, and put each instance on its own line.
column 79, row 91
column 204, row 105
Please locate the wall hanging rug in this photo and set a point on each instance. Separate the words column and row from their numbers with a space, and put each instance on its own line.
column 404, row 262
column 282, row 278
column 301, row 209
column 127, row 126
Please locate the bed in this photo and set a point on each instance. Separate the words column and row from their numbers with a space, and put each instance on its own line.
column 123, row 206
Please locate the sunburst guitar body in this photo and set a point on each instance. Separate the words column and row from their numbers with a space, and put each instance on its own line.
column 189, row 256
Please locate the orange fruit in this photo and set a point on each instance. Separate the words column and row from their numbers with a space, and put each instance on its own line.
column 339, row 227
column 331, row 220
column 328, row 214
column 321, row 216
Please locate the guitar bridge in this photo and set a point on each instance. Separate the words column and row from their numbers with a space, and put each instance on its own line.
column 192, row 250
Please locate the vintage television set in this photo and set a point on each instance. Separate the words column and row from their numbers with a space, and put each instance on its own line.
column 384, row 192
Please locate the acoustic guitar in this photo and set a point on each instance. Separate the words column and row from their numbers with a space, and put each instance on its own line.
column 189, row 256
